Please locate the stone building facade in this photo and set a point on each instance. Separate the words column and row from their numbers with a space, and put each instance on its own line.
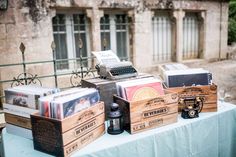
column 147, row 32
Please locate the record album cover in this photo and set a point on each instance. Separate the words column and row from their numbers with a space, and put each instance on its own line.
column 71, row 104
column 144, row 91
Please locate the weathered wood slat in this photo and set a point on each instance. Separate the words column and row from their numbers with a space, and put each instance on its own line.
column 84, row 116
column 18, row 120
column 62, row 137
column 140, row 115
column 83, row 129
column 84, row 140
column 149, row 113
column 154, row 122
column 107, row 88
column 76, row 119
column 208, row 93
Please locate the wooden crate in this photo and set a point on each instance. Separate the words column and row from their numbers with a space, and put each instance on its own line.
column 208, row 93
column 149, row 113
column 18, row 120
column 84, row 140
column 2, row 121
column 63, row 137
column 107, row 88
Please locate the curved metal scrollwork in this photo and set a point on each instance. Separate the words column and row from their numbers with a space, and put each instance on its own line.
column 25, row 79
column 83, row 71
column 78, row 75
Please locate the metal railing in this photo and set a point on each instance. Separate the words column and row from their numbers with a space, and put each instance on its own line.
column 25, row 78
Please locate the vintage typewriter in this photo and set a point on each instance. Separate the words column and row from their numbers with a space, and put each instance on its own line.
column 116, row 70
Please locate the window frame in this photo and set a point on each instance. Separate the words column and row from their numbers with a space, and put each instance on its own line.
column 160, row 19
column 191, row 48
column 70, row 38
column 113, row 32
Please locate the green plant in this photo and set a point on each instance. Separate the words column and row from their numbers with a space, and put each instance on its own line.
column 232, row 22
column 232, row 31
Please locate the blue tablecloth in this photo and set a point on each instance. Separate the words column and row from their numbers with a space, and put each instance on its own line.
column 211, row 135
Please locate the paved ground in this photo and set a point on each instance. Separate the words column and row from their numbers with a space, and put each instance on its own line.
column 224, row 75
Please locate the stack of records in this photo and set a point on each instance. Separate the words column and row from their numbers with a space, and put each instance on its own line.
column 67, row 103
column 139, row 89
column 179, row 75
column 20, row 102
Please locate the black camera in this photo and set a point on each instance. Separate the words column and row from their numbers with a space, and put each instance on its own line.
column 192, row 106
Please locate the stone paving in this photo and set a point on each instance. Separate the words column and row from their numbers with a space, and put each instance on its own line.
column 224, row 75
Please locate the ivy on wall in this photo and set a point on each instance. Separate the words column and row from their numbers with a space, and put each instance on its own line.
column 38, row 8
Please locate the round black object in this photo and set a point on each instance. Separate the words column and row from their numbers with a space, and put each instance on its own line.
column 115, row 111
column 192, row 113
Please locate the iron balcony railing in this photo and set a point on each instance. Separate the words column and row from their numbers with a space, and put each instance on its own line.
column 74, row 75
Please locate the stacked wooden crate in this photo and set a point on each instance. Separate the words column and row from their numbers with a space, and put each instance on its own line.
column 207, row 93
column 107, row 88
column 149, row 113
column 200, row 86
column 20, row 102
column 63, row 137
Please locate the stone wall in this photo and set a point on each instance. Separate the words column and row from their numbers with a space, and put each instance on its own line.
column 214, row 42
column 30, row 22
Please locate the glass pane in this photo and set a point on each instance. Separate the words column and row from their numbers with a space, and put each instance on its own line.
column 115, row 34
column 80, row 25
column 59, row 31
column 121, row 45
column 121, row 22
column 83, row 50
column 61, row 51
column 105, row 32
column 79, row 22
column 105, row 22
column 121, row 36
column 62, row 28
column 55, row 28
column 59, row 23
column 190, row 36
column 105, row 41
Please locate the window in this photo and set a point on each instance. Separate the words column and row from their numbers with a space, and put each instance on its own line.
column 191, row 36
column 115, row 34
column 71, row 37
column 162, row 37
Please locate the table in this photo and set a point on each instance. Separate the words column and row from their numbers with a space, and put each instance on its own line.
column 210, row 135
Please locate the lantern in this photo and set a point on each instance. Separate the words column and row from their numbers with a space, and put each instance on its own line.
column 115, row 120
